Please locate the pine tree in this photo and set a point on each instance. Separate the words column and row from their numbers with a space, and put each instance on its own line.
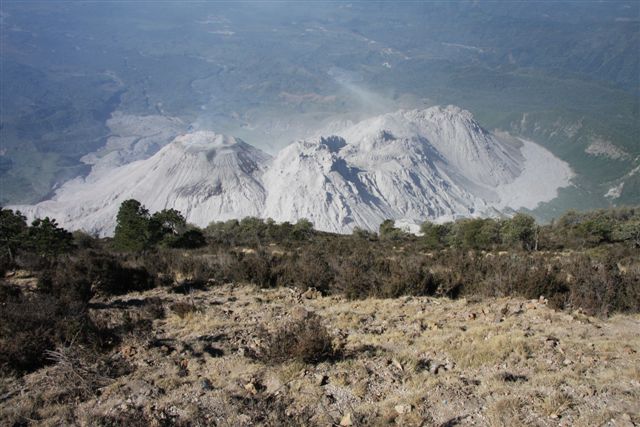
column 13, row 227
column 132, row 227
column 47, row 239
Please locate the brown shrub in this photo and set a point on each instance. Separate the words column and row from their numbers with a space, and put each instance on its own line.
column 356, row 276
column 128, row 418
column 259, row 268
column 309, row 269
column 407, row 275
column 183, row 308
column 29, row 326
column 599, row 288
column 305, row 339
column 78, row 374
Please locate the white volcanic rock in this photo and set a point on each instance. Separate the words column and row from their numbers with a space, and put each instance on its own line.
column 449, row 134
column 203, row 175
column 310, row 180
column 436, row 164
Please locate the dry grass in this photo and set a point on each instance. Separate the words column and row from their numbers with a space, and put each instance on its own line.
column 459, row 362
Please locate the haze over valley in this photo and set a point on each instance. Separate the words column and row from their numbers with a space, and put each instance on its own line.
column 88, row 89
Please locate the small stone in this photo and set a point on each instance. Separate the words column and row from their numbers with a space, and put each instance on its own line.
column 433, row 326
column 471, row 316
column 403, row 409
column 625, row 421
column 320, row 379
column 346, row 420
column 397, row 364
column 299, row 313
column 206, row 384
column 435, row 368
column 311, row 293
column 251, row 388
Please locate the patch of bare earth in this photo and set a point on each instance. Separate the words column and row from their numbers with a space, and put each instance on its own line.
column 406, row 361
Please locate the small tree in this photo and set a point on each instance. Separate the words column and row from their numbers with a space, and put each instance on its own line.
column 166, row 224
column 132, row 226
column 434, row 235
column 302, row 229
column 47, row 239
column 629, row 232
column 362, row 233
column 520, row 230
column 13, row 227
column 389, row 231
column 467, row 232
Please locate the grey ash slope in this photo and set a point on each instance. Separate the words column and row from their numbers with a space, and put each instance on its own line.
column 204, row 175
column 414, row 165
column 437, row 164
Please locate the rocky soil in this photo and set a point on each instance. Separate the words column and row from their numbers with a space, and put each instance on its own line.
column 408, row 361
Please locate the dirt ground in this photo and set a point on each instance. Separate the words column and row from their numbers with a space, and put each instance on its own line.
column 411, row 361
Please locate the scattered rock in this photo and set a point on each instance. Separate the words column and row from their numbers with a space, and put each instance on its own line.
column 299, row 313
column 624, row 421
column 403, row 409
column 551, row 342
column 128, row 351
column 397, row 364
column 206, row 384
column 251, row 388
column 320, row 379
column 346, row 420
column 311, row 293
column 435, row 368
column 273, row 384
column 471, row 316
column 518, row 310
column 433, row 326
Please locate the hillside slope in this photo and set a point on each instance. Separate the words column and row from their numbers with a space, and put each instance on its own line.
column 436, row 164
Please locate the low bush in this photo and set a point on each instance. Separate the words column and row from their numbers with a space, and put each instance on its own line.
column 182, row 308
column 31, row 325
column 259, row 268
column 309, row 269
column 111, row 276
column 304, row 339
column 406, row 275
